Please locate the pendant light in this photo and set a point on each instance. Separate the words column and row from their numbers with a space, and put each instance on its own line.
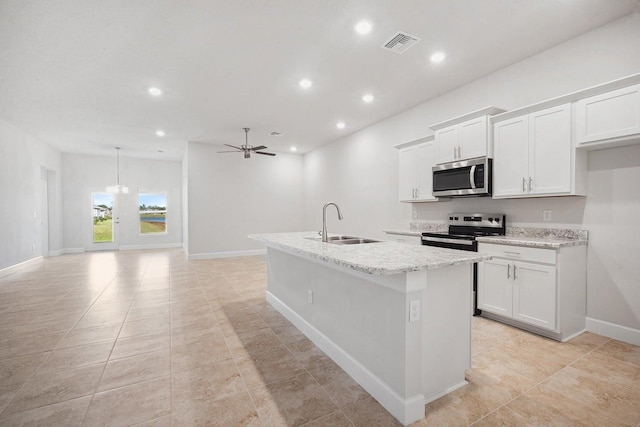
column 118, row 188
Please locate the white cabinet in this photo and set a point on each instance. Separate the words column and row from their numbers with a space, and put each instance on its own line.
column 415, row 178
column 534, row 155
column 609, row 118
column 543, row 290
column 520, row 290
column 464, row 137
column 462, row 141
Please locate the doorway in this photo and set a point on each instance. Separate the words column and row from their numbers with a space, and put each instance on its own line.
column 104, row 222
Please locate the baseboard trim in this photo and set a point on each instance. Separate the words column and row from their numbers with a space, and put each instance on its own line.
column 227, row 254
column 16, row 267
column 154, row 246
column 73, row 250
column 55, row 253
column 405, row 410
column 612, row 330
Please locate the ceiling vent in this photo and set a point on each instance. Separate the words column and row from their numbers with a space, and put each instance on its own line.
column 400, row 42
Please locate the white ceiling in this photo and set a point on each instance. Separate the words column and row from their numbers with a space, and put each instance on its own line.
column 76, row 73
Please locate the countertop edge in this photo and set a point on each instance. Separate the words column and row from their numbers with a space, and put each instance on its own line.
column 531, row 241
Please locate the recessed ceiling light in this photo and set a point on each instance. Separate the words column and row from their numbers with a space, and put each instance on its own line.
column 155, row 91
column 363, row 27
column 368, row 98
column 305, row 83
column 293, row 149
column 340, row 125
column 438, row 57
column 160, row 151
column 160, row 132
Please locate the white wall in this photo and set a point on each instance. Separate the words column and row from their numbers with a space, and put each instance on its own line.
column 360, row 171
column 84, row 174
column 231, row 197
column 22, row 210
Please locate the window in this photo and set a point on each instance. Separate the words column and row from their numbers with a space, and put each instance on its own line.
column 102, row 217
column 153, row 213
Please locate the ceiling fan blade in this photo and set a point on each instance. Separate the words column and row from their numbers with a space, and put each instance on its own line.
column 233, row 146
column 259, row 147
column 265, row 153
column 230, row 151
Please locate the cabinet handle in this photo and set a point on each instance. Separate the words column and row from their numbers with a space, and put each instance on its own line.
column 413, row 193
column 459, row 152
column 417, row 193
column 455, row 155
column 514, row 272
column 524, row 181
column 508, row 271
column 530, row 183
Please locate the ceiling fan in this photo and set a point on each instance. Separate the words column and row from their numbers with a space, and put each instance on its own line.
column 248, row 149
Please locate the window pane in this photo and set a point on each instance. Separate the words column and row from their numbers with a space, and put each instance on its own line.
column 102, row 217
column 153, row 213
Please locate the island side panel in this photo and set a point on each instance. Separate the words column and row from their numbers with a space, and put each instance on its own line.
column 446, row 329
column 363, row 318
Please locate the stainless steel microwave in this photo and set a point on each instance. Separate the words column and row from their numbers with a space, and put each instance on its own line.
column 465, row 178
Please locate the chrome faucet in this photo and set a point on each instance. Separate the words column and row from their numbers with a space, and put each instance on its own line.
column 324, row 219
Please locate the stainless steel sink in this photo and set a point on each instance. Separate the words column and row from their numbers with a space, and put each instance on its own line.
column 345, row 240
column 356, row 241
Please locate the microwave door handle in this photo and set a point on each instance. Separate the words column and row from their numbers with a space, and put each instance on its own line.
column 472, row 175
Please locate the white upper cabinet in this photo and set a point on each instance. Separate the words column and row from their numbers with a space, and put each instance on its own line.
column 415, row 174
column 611, row 118
column 534, row 155
column 464, row 137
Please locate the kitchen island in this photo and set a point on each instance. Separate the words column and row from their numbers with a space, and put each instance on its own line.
column 395, row 317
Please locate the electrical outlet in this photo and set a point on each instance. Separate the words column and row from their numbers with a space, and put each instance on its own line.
column 414, row 310
column 546, row 215
column 414, row 212
column 310, row 296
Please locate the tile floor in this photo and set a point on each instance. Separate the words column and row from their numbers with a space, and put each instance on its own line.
column 148, row 338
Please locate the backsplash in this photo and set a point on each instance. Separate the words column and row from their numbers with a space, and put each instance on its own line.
column 427, row 226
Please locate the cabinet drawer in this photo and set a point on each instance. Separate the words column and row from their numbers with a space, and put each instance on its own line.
column 547, row 256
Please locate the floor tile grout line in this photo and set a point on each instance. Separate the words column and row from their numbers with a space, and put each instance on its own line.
column 95, row 391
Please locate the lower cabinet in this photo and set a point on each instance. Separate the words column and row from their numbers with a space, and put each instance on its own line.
column 520, row 290
column 535, row 288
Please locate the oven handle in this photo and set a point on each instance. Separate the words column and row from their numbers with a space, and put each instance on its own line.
column 445, row 240
column 472, row 175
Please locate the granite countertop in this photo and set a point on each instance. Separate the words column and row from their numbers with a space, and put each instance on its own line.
column 550, row 238
column 538, row 242
column 381, row 258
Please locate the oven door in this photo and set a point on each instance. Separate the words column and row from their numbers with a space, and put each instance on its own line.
column 465, row 178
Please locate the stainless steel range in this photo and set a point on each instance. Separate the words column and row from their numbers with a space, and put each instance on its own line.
column 463, row 230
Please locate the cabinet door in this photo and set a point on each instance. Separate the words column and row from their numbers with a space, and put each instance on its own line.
column 495, row 287
column 407, row 174
column 534, row 294
column 425, row 160
column 550, row 151
column 473, row 138
column 446, row 144
column 511, row 157
column 609, row 115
